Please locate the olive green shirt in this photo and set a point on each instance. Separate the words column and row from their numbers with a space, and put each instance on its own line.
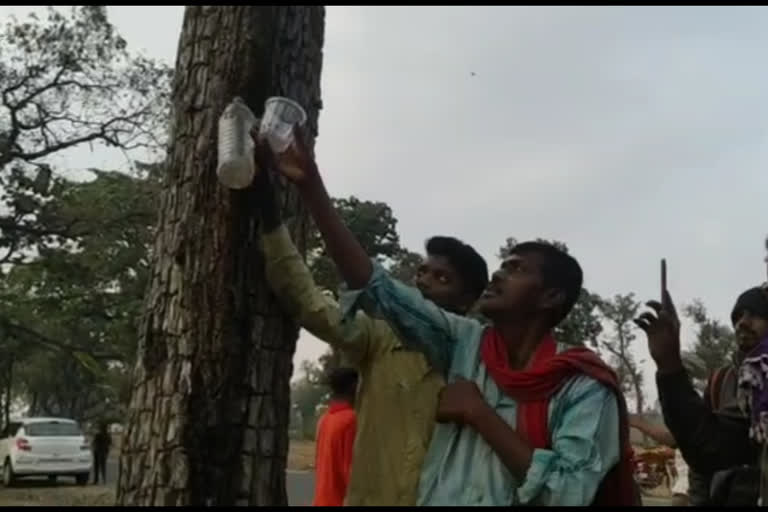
column 398, row 394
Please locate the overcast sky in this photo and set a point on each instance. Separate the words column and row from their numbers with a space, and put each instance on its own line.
column 630, row 133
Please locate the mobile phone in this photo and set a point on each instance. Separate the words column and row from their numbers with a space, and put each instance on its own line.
column 663, row 277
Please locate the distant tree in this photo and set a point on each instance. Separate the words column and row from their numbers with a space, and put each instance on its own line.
column 619, row 313
column 67, row 81
column 406, row 265
column 374, row 225
column 714, row 345
column 81, row 299
column 307, row 393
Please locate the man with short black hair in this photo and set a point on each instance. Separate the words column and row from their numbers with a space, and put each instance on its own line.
column 101, row 444
column 524, row 420
column 335, row 440
column 399, row 388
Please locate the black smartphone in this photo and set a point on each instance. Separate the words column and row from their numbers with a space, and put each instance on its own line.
column 663, row 277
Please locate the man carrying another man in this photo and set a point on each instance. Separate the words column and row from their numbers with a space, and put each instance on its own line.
column 524, row 420
column 398, row 393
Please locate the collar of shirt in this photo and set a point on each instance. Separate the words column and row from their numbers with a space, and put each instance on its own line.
column 338, row 405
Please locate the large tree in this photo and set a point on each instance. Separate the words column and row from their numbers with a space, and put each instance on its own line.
column 210, row 401
column 67, row 80
column 82, row 297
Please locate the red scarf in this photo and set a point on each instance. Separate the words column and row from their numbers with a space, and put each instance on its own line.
column 533, row 387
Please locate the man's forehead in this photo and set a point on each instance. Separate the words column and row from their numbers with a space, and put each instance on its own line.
column 522, row 257
column 439, row 261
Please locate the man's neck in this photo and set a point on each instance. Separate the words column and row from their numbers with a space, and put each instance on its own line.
column 341, row 399
column 522, row 339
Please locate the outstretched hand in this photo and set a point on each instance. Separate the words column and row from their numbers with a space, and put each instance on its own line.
column 663, row 331
column 295, row 163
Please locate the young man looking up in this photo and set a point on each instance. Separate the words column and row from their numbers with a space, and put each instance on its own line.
column 399, row 389
column 524, row 420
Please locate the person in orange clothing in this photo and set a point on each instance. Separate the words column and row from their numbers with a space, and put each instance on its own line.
column 335, row 438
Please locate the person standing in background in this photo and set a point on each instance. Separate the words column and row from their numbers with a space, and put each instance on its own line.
column 712, row 432
column 335, row 439
column 102, row 442
column 753, row 392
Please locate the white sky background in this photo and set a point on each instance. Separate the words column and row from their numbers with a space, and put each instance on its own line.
column 630, row 133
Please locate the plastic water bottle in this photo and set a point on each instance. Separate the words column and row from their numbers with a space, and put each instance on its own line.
column 236, row 167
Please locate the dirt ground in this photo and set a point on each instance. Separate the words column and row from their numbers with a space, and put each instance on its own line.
column 35, row 494
column 301, row 455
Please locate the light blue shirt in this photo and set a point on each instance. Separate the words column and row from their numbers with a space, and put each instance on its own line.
column 460, row 467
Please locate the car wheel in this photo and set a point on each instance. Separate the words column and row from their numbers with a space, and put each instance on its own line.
column 8, row 478
column 82, row 479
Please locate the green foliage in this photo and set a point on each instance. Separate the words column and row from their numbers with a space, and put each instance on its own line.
column 714, row 346
column 67, row 81
column 406, row 266
column 307, row 394
column 619, row 313
column 374, row 225
column 84, row 296
column 75, row 254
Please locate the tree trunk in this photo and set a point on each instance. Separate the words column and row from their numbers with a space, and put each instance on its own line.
column 210, row 398
column 33, row 404
column 8, row 391
column 638, row 385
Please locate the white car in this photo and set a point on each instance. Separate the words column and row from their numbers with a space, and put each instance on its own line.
column 49, row 447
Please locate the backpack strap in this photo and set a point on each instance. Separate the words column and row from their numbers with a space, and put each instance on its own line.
column 715, row 387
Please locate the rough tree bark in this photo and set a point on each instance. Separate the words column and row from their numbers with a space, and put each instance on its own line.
column 210, row 401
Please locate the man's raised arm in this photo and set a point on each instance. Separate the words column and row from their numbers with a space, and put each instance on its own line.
column 353, row 263
column 292, row 282
column 420, row 323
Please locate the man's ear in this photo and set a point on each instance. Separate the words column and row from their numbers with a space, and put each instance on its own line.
column 552, row 299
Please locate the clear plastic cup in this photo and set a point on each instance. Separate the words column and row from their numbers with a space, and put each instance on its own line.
column 280, row 116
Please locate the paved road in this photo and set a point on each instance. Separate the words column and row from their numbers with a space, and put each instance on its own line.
column 300, row 484
column 301, row 487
